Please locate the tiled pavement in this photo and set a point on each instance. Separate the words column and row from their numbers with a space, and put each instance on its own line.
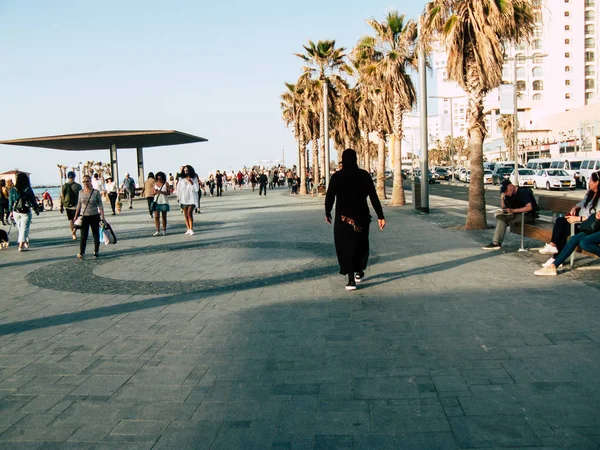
column 244, row 337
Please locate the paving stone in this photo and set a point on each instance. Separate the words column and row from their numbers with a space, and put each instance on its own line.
column 493, row 431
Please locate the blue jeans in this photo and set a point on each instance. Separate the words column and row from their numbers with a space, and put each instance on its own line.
column 589, row 243
column 23, row 223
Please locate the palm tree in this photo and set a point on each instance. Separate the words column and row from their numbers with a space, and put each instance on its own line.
column 474, row 33
column 394, row 47
column 505, row 123
column 295, row 113
column 324, row 61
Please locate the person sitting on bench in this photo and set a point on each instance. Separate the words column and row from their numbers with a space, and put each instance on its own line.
column 514, row 200
column 581, row 211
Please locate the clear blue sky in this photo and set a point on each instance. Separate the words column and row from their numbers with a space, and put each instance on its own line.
column 214, row 69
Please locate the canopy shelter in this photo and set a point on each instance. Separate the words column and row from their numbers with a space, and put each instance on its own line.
column 112, row 140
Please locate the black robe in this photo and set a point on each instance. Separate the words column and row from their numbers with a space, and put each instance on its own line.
column 349, row 189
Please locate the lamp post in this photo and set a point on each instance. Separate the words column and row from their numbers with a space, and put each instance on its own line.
column 424, row 144
column 451, row 127
column 515, row 109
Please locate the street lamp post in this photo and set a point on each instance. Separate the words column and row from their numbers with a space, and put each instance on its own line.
column 424, row 144
column 451, row 127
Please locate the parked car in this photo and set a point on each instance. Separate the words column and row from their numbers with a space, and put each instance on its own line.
column 418, row 176
column 525, row 177
column 487, row 177
column 441, row 174
column 462, row 175
column 468, row 176
column 553, row 179
column 500, row 173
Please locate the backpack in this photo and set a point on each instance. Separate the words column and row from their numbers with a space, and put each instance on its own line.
column 22, row 205
column 70, row 198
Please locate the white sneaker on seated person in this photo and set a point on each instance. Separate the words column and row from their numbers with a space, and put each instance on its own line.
column 548, row 250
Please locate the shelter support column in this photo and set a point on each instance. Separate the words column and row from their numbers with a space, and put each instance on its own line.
column 140, row 166
column 114, row 164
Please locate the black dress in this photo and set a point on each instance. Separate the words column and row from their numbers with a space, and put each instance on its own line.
column 349, row 188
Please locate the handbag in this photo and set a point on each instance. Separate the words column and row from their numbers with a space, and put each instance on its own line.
column 109, row 234
column 590, row 225
column 78, row 223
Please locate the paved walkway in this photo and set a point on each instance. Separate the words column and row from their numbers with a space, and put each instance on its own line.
column 243, row 336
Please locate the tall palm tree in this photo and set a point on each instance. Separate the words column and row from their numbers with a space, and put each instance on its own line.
column 323, row 60
column 474, row 33
column 505, row 123
column 394, row 44
column 295, row 113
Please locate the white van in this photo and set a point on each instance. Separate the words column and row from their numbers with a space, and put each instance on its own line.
column 587, row 167
column 538, row 163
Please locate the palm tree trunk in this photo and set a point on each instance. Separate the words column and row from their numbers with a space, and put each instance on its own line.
column 366, row 152
column 398, row 198
column 381, row 166
column 476, row 218
column 302, row 167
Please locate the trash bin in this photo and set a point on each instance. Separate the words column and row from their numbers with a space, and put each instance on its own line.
column 416, row 195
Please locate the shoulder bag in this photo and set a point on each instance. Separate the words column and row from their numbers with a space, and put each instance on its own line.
column 78, row 223
column 590, row 225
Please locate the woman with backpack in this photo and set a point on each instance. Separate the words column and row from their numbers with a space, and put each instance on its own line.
column 21, row 200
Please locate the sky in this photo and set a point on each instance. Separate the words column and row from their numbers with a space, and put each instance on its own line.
column 212, row 69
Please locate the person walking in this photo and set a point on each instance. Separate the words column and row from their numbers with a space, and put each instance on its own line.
column 262, row 183
column 129, row 189
column 112, row 192
column 90, row 208
column 69, row 196
column 219, row 182
column 349, row 189
column 148, row 192
column 187, row 195
column 21, row 200
column 4, row 209
column 161, row 200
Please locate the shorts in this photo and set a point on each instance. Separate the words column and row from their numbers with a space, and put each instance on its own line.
column 186, row 206
column 70, row 213
column 162, row 208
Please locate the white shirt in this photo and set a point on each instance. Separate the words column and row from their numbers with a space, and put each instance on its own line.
column 187, row 193
column 111, row 187
column 97, row 184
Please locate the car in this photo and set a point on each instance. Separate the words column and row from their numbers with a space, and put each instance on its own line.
column 525, row 177
column 468, row 176
column 500, row 173
column 487, row 177
column 417, row 176
column 553, row 179
column 462, row 174
column 441, row 173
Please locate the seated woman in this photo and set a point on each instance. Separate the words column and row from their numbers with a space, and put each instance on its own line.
column 588, row 242
column 580, row 212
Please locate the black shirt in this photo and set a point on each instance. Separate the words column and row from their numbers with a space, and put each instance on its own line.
column 521, row 198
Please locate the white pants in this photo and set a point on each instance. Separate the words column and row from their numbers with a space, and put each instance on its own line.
column 23, row 223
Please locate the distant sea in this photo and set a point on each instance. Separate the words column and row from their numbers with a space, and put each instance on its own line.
column 54, row 191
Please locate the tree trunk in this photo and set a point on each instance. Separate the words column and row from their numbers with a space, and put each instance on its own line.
column 381, row 166
column 302, row 168
column 476, row 217
column 398, row 198
column 366, row 152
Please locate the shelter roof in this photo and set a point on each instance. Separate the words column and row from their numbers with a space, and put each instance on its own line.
column 14, row 172
column 101, row 140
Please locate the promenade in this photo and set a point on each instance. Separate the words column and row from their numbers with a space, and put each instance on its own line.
column 243, row 337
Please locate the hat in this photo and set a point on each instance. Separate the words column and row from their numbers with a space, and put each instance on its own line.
column 504, row 185
column 71, row 174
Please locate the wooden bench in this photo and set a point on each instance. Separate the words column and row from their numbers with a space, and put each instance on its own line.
column 542, row 230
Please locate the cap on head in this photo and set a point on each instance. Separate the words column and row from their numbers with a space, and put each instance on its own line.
column 504, row 185
column 71, row 174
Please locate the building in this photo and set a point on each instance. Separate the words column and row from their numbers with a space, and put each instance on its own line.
column 11, row 175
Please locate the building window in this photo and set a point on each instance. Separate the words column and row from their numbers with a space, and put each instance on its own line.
column 567, row 41
column 567, row 55
column 537, row 59
column 567, row 82
column 538, row 85
column 521, row 85
column 567, row 27
column 589, row 95
column 520, row 47
column 590, row 15
column 537, row 44
column 505, row 73
column 590, row 3
column 567, row 14
column 589, row 83
column 590, row 42
column 521, row 72
column 537, row 97
column 567, row 96
column 590, row 28
column 567, row 68
column 537, row 72
column 590, row 70
column 520, row 58
column 590, row 56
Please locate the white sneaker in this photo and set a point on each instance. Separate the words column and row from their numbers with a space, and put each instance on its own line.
column 164, row 233
column 548, row 263
column 191, row 233
column 548, row 250
column 187, row 232
column 545, row 271
column 156, row 233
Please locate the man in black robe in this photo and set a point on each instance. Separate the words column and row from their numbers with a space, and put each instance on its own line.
column 349, row 188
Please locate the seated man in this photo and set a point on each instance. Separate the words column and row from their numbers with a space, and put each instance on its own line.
column 514, row 200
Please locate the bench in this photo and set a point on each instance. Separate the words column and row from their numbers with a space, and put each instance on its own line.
column 542, row 230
